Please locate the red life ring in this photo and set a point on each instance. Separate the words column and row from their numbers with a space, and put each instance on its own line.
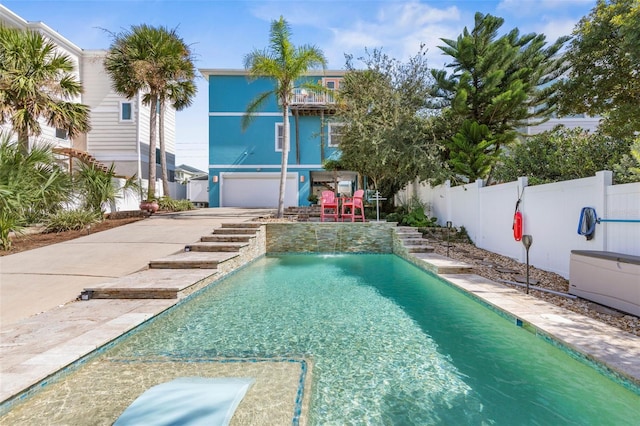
column 517, row 226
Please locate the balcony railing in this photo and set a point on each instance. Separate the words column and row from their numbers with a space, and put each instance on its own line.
column 302, row 97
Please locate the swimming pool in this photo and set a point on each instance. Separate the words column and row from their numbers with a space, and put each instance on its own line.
column 390, row 344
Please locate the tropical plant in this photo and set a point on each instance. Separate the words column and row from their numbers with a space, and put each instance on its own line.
column 68, row 220
column 504, row 82
column 171, row 205
column 180, row 89
column 313, row 198
column 157, row 62
column 603, row 78
column 412, row 213
column 96, row 187
column 284, row 63
column 37, row 82
column 32, row 185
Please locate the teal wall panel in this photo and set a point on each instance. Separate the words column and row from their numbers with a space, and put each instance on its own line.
column 232, row 149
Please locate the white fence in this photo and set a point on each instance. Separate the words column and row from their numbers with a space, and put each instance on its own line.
column 131, row 200
column 551, row 213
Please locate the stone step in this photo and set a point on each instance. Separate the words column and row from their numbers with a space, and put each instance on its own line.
column 191, row 260
column 216, row 246
column 151, row 284
column 422, row 248
column 235, row 231
column 407, row 230
column 443, row 265
column 225, row 238
column 417, row 239
column 242, row 225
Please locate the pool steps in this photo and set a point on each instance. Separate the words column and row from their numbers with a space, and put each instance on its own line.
column 216, row 246
column 151, row 284
column 226, row 238
column 412, row 240
column 198, row 264
column 443, row 265
column 234, row 231
column 190, row 260
column 418, row 251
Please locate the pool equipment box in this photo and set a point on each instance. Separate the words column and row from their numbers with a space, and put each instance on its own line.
column 611, row 279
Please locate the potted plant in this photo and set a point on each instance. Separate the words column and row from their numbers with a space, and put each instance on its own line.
column 313, row 199
column 149, row 206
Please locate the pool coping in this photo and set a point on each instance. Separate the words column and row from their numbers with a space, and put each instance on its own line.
column 45, row 344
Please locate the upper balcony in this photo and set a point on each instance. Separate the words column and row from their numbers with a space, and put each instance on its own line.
column 313, row 102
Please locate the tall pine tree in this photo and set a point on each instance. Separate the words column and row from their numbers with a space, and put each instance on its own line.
column 501, row 81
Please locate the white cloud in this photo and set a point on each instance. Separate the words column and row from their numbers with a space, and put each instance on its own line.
column 554, row 29
column 399, row 28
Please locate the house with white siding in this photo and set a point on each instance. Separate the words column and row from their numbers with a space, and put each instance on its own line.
column 571, row 122
column 119, row 126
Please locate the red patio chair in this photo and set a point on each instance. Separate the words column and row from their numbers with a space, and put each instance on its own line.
column 328, row 205
column 351, row 205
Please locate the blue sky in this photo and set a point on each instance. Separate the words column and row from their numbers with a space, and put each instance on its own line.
column 222, row 32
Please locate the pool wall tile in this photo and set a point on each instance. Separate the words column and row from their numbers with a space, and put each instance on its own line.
column 247, row 254
column 317, row 237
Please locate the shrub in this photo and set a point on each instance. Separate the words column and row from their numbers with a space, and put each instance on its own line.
column 97, row 187
column 563, row 154
column 69, row 220
column 31, row 186
column 412, row 214
column 171, row 205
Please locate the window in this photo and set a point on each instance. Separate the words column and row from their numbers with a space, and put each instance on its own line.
column 279, row 136
column 126, row 111
column 62, row 133
column 335, row 134
column 332, row 83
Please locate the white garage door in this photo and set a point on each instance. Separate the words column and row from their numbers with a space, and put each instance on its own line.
column 257, row 190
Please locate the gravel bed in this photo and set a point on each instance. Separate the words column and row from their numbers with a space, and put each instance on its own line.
column 489, row 265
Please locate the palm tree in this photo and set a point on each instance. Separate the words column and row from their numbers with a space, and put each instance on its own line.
column 284, row 63
column 36, row 82
column 180, row 91
column 151, row 60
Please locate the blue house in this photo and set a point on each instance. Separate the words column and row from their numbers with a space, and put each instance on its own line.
column 244, row 166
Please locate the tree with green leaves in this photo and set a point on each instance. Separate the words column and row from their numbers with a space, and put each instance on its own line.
column 37, row 82
column 284, row 63
column 388, row 133
column 565, row 154
column 470, row 151
column 503, row 82
column 154, row 61
column 604, row 78
column 628, row 168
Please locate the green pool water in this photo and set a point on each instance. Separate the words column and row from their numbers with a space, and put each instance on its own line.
column 391, row 345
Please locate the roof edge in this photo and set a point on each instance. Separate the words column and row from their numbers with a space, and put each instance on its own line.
column 206, row 72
